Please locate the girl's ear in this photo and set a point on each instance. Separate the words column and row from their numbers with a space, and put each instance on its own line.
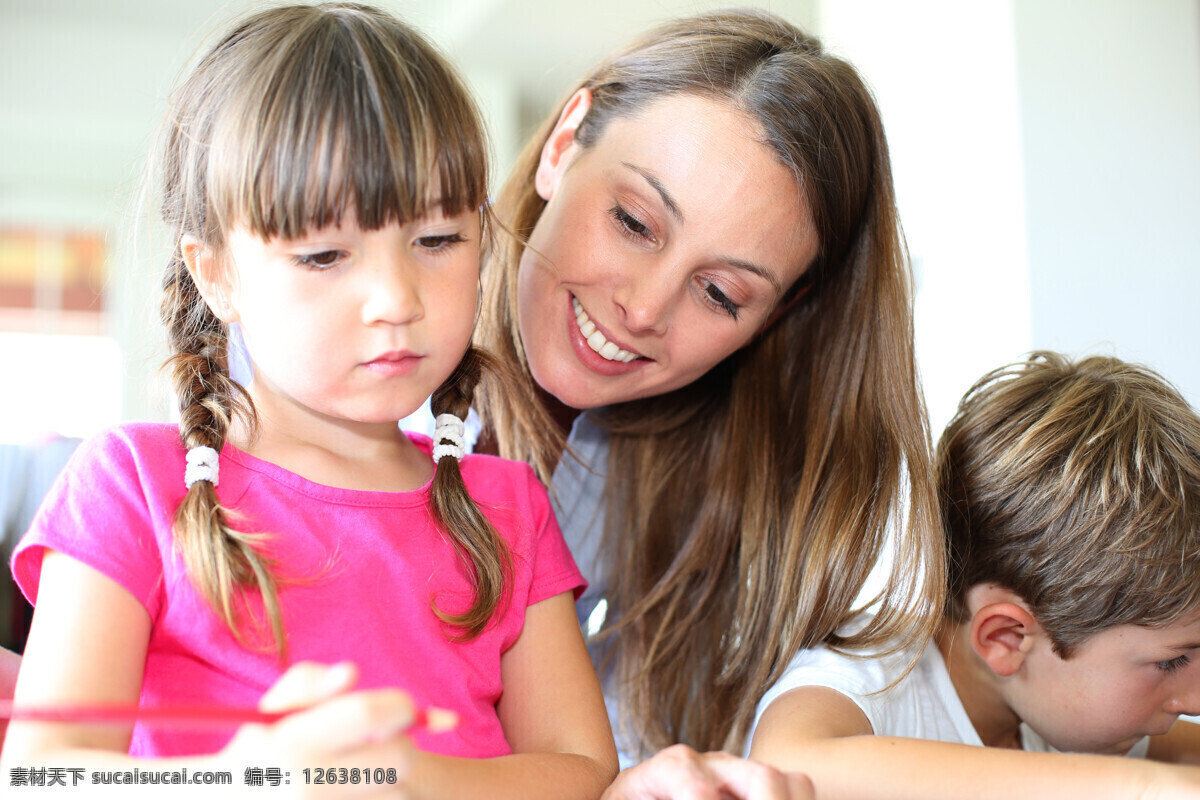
column 210, row 276
column 1003, row 631
column 560, row 148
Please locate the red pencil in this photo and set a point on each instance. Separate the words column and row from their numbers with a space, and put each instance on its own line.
column 433, row 720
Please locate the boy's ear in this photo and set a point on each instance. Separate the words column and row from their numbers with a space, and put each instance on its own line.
column 210, row 276
column 560, row 147
column 1002, row 630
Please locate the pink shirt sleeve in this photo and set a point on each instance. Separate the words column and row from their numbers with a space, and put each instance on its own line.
column 517, row 504
column 100, row 513
column 554, row 567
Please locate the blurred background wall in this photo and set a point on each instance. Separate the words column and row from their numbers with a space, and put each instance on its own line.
column 1047, row 159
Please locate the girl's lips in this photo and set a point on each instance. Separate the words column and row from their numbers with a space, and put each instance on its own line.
column 394, row 363
column 589, row 357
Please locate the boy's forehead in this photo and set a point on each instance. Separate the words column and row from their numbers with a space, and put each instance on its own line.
column 1180, row 636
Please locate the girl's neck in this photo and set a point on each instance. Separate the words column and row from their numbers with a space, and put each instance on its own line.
column 975, row 684
column 338, row 453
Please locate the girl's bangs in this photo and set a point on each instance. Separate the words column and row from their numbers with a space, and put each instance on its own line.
column 354, row 123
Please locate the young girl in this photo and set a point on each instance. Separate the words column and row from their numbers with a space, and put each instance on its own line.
column 324, row 172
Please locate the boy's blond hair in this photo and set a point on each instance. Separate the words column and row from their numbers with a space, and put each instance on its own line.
column 1075, row 485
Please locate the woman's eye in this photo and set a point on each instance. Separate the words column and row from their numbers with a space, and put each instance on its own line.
column 719, row 299
column 1174, row 664
column 322, row 260
column 631, row 224
column 440, row 242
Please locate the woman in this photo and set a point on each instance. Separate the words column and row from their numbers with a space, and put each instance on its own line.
column 706, row 258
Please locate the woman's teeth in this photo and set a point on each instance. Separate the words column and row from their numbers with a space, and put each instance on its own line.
column 595, row 338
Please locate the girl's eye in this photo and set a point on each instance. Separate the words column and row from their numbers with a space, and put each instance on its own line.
column 718, row 299
column 630, row 224
column 442, row 242
column 1174, row 664
column 322, row 260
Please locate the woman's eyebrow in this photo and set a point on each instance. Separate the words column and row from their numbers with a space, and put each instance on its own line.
column 671, row 205
column 657, row 185
column 761, row 272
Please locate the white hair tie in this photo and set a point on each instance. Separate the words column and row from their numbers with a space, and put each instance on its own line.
column 451, row 429
column 201, row 466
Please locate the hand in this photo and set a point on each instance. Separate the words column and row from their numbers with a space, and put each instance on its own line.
column 680, row 773
column 10, row 662
column 337, row 728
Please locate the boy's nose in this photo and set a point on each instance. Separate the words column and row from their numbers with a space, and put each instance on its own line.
column 1186, row 701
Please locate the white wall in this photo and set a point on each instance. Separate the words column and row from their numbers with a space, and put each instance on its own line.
column 1110, row 102
column 944, row 75
column 1047, row 160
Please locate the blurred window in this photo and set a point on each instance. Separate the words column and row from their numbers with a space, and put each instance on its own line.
column 61, row 372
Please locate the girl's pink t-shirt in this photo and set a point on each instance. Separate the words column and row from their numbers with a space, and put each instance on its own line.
column 358, row 571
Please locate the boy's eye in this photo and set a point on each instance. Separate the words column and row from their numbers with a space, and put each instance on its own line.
column 322, row 260
column 440, row 242
column 1174, row 664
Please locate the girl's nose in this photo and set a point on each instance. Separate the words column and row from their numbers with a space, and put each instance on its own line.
column 391, row 294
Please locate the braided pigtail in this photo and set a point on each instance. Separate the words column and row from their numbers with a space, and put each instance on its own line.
column 219, row 559
column 454, row 509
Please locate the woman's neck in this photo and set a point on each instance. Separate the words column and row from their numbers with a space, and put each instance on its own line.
column 562, row 414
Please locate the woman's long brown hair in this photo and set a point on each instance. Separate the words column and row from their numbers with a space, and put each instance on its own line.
column 745, row 511
column 296, row 118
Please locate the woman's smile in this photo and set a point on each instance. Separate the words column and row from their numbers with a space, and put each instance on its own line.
column 608, row 349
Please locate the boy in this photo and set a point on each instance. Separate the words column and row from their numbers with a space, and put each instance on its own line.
column 1071, row 507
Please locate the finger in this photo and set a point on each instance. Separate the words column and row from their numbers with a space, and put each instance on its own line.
column 307, row 684
column 800, row 787
column 742, row 779
column 348, row 721
column 676, row 773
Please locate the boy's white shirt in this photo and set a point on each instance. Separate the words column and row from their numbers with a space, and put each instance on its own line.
column 924, row 705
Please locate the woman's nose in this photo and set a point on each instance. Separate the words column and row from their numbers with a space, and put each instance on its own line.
column 646, row 300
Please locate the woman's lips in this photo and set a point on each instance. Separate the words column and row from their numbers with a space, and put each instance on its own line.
column 588, row 354
column 609, row 351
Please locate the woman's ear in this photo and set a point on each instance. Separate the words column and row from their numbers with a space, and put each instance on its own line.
column 560, row 147
column 1002, row 630
column 211, row 277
